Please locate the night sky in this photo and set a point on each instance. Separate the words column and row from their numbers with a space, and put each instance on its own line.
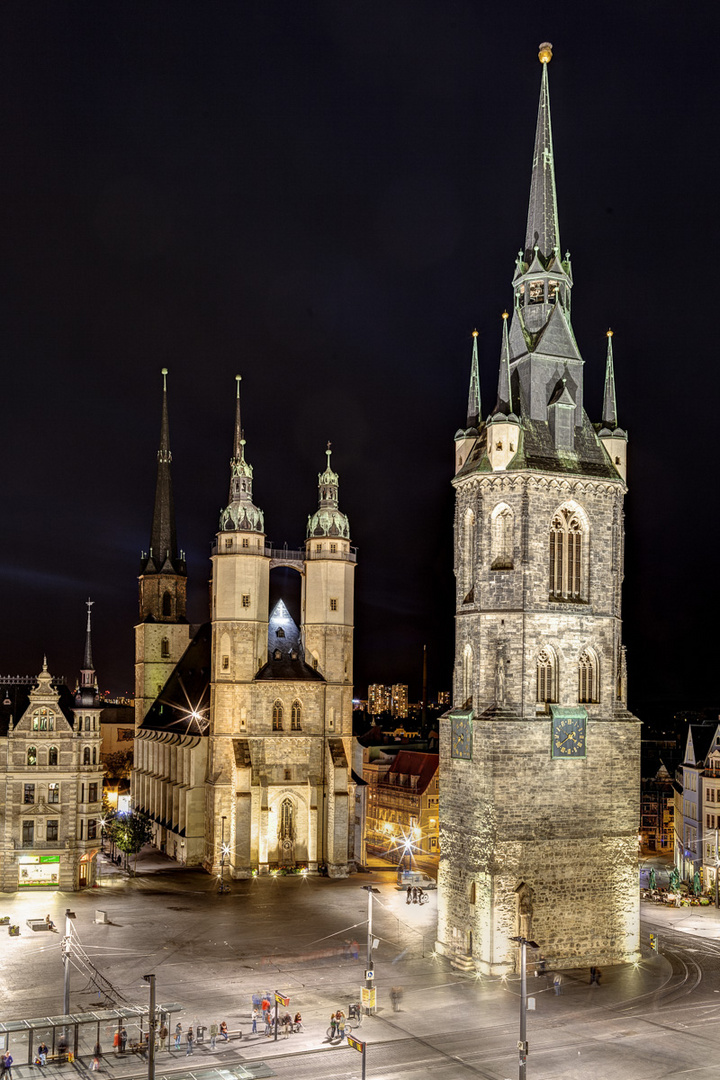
column 327, row 198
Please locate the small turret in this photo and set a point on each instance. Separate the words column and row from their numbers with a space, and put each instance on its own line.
column 465, row 439
column 613, row 438
column 328, row 519
column 240, row 515
column 503, row 427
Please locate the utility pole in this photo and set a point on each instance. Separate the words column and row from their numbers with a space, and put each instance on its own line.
column 65, row 945
column 369, row 973
column 522, row 1044
column 151, row 1027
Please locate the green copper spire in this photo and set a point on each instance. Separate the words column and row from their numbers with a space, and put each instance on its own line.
column 240, row 513
column 609, row 413
column 504, row 398
column 328, row 519
column 542, row 236
column 474, row 410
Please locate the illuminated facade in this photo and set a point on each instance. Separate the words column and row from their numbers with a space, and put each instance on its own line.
column 402, row 807
column 50, row 812
column 399, row 701
column 539, row 757
column 248, row 742
column 379, row 699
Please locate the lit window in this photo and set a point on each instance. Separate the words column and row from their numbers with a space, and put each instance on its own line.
column 536, row 292
column 553, row 291
column 32, row 755
column 53, row 793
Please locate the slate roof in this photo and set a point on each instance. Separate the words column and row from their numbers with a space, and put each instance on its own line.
column 15, row 701
column 702, row 738
column 414, row 763
column 186, row 691
column 285, row 651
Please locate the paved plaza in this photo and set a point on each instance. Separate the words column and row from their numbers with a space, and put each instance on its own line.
column 211, row 953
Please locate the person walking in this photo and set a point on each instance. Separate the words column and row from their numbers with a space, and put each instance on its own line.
column 164, row 1032
column 297, row 1023
column 97, row 1055
column 396, row 994
column 557, row 984
column 268, row 1023
column 333, row 1026
column 178, row 1035
column 340, row 1017
column 190, row 1041
column 593, row 975
column 116, row 1042
column 287, row 1024
column 7, row 1062
column 255, row 1018
column 213, row 1035
column 409, row 895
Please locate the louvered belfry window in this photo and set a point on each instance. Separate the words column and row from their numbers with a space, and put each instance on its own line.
column 566, row 556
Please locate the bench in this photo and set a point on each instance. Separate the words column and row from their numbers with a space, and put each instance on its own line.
column 37, row 924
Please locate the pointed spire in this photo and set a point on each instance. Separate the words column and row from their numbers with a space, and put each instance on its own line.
column 163, row 537
column 87, row 659
column 542, row 223
column 474, row 411
column 609, row 413
column 240, row 512
column 88, row 682
column 504, row 399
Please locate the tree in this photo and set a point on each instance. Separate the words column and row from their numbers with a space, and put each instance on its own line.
column 118, row 764
column 130, row 832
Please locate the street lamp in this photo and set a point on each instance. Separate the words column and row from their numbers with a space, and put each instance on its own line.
column 522, row 1044
column 224, row 850
column 369, row 973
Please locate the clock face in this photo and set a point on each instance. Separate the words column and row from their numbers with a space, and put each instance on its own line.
column 461, row 737
column 568, row 737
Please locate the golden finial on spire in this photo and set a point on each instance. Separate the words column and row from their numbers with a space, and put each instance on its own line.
column 505, row 315
column 545, row 53
column 475, row 333
column 610, row 333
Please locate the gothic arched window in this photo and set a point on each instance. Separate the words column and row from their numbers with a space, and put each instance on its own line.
column 52, row 755
column 467, row 556
column 588, row 676
column 32, row 755
column 277, row 716
column 502, row 538
column 287, row 824
column 467, row 677
column 86, row 756
column 566, row 554
column 546, row 676
column 296, row 716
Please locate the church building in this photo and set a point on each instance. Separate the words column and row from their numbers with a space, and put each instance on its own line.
column 539, row 757
column 244, row 724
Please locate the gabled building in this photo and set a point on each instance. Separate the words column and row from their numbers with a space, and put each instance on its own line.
column 402, row 813
column 246, row 743
column 698, row 781
column 51, row 806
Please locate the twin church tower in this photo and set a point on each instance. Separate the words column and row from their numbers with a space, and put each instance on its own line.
column 244, row 728
column 243, row 725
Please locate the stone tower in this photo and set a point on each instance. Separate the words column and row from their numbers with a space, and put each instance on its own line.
column 279, row 784
column 540, row 758
column 162, row 634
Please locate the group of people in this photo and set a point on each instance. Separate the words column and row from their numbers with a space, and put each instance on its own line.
column 337, row 1024
column 415, row 894
column 216, row 1031
column 285, row 1021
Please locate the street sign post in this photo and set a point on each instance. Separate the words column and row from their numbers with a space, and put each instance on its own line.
column 368, row 997
column 359, row 1045
column 280, row 999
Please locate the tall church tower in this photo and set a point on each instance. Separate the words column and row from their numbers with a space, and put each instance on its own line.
column 539, row 798
column 279, row 786
column 162, row 634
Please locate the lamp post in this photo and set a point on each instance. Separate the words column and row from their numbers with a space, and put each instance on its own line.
column 522, row 1044
column 369, row 973
column 223, row 852
column 151, row 1026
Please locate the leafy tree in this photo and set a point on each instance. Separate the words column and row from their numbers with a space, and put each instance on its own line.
column 118, row 764
column 130, row 832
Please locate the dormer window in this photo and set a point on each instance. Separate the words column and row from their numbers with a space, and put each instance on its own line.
column 537, row 292
column 553, row 291
column 279, row 632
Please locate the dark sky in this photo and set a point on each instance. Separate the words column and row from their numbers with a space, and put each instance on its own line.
column 327, row 198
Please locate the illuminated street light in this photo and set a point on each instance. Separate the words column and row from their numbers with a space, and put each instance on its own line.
column 224, row 850
column 522, row 1044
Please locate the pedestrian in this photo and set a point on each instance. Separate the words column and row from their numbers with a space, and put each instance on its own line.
column 123, row 1040
column 190, row 1040
column 340, row 1017
column 255, row 1018
column 178, row 1035
column 333, row 1026
column 97, row 1054
column 265, row 1007
column 557, row 983
column 298, row 1024
column 224, row 1031
column 593, row 975
column 268, row 1023
column 409, row 895
column 7, row 1065
column 42, row 1052
column 598, row 975
column 213, row 1035
column 164, row 1032
column 287, row 1024
column 50, row 924
column 116, row 1042
column 396, row 993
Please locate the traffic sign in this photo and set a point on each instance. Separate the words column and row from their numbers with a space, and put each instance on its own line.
column 356, row 1044
column 281, row 999
column 654, row 942
column 370, row 974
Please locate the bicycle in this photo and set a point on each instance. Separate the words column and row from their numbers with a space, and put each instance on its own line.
column 333, row 1033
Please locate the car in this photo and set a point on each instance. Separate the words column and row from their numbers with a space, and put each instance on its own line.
column 415, row 877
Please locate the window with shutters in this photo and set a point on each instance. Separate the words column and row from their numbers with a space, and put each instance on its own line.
column 588, row 676
column 568, row 543
column 546, row 676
